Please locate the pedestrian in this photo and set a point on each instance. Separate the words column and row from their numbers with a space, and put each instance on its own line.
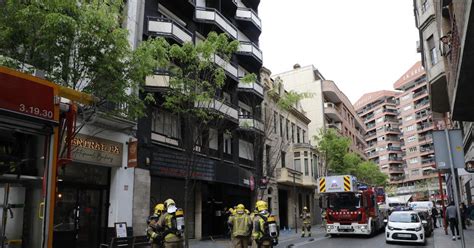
column 306, row 216
column 265, row 230
column 463, row 215
column 451, row 217
column 434, row 214
column 153, row 232
column 173, row 225
column 240, row 225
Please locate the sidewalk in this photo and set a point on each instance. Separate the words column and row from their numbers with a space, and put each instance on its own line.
column 441, row 240
column 223, row 243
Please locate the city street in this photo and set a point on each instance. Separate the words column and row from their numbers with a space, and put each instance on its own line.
column 320, row 240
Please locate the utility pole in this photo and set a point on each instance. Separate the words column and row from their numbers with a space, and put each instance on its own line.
column 294, row 194
column 455, row 186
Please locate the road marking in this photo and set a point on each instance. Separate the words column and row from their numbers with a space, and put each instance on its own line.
column 307, row 242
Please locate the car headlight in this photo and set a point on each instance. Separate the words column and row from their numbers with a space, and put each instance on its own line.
column 390, row 228
column 418, row 228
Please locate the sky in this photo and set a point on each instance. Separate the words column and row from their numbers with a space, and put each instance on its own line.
column 362, row 45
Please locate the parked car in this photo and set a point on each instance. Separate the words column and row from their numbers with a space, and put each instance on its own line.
column 425, row 214
column 405, row 226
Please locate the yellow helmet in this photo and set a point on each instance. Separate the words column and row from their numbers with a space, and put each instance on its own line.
column 160, row 207
column 169, row 202
column 305, row 208
column 240, row 207
column 261, row 205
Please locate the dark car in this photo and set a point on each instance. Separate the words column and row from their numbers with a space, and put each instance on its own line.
column 425, row 215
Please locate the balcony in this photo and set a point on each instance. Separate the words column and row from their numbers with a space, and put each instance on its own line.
column 422, row 104
column 422, row 115
column 164, row 27
column 286, row 176
column 220, row 107
column 394, row 148
column 214, row 17
column 420, row 93
column 249, row 22
column 331, row 111
column 368, row 117
column 427, row 125
column 395, row 159
column 428, row 161
column 396, row 170
column 397, row 178
column 252, row 87
column 335, row 125
column 248, row 50
column 229, row 68
column 427, row 149
column 247, row 122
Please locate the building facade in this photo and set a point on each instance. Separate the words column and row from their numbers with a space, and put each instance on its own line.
column 229, row 154
column 290, row 161
column 446, row 37
column 326, row 107
column 379, row 112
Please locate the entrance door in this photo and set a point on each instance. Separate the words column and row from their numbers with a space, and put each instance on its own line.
column 283, row 208
column 80, row 217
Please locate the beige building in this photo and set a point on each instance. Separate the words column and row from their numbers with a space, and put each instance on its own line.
column 379, row 112
column 290, row 162
column 327, row 107
column 447, row 35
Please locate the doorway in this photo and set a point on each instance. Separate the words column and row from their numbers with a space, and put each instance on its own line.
column 80, row 219
column 283, row 208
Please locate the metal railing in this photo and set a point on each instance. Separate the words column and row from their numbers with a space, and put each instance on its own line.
column 249, row 121
column 247, row 47
column 251, row 86
column 248, row 14
column 167, row 27
column 212, row 15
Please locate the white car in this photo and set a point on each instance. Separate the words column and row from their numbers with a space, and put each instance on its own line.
column 405, row 226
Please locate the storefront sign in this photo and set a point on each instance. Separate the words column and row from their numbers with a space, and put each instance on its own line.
column 93, row 150
column 27, row 95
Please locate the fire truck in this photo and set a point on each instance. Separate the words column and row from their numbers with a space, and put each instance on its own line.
column 351, row 207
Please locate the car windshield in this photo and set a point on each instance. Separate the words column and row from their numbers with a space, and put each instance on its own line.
column 404, row 218
column 344, row 201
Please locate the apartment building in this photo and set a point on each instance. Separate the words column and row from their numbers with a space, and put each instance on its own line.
column 446, row 39
column 229, row 159
column 327, row 106
column 416, row 125
column 291, row 163
column 379, row 112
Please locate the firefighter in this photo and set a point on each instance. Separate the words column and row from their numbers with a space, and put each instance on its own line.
column 241, row 225
column 306, row 216
column 153, row 232
column 159, row 209
column 265, row 230
column 172, row 222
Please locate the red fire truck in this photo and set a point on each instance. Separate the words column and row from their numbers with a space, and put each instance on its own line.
column 351, row 207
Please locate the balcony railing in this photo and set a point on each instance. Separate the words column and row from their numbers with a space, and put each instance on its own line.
column 424, row 126
column 427, row 161
column 219, row 106
column 228, row 67
column 394, row 148
column 417, row 94
column 421, row 104
column 204, row 14
column 247, row 47
column 396, row 169
column 250, row 122
column 395, row 159
column 426, row 149
column 252, row 86
column 166, row 27
column 248, row 14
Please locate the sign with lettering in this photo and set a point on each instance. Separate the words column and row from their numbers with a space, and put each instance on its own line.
column 93, row 150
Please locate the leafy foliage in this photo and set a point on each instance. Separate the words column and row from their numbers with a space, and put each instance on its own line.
column 370, row 173
column 78, row 44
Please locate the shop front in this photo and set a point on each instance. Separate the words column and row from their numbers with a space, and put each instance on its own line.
column 218, row 185
column 83, row 198
column 28, row 122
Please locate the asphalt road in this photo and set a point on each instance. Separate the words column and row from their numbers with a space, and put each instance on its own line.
column 352, row 241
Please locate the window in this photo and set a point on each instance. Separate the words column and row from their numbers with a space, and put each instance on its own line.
column 432, row 50
column 267, row 155
column 283, row 159
column 410, row 128
column 296, row 154
column 304, row 136
column 413, row 160
column 297, row 164
column 379, row 120
column 245, row 150
column 406, row 97
column 166, row 124
column 287, row 127
column 383, row 157
column 300, row 203
column 275, row 122
column 293, row 132
column 406, row 108
column 298, row 130
column 227, row 144
column 282, row 121
column 306, row 167
column 315, row 167
column 409, row 118
column 415, row 172
column 213, row 140
column 411, row 139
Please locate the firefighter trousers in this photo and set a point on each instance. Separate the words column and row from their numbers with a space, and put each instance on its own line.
column 306, row 229
column 240, row 242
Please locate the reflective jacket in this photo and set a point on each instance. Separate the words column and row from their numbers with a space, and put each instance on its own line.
column 241, row 224
column 306, row 216
column 168, row 222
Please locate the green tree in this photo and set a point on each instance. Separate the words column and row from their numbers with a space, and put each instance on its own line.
column 351, row 161
column 78, row 44
column 369, row 172
column 195, row 92
column 333, row 147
